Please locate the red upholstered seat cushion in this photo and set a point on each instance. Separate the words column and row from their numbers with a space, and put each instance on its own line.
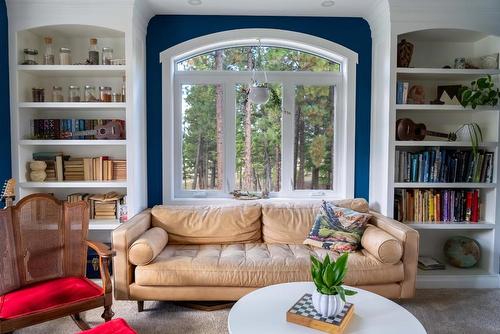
column 117, row 326
column 46, row 295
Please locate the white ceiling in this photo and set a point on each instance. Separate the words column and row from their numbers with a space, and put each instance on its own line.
column 355, row 8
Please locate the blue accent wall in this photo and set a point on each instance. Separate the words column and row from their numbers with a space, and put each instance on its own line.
column 5, row 161
column 165, row 31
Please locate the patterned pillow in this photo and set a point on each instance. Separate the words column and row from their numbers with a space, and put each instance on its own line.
column 337, row 229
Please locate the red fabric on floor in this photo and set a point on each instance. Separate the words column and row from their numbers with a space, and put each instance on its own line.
column 117, row 326
column 42, row 296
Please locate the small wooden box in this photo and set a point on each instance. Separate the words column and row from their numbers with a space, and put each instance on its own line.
column 303, row 313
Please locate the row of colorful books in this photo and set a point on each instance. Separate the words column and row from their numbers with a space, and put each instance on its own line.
column 103, row 206
column 437, row 205
column 444, row 165
column 66, row 128
column 62, row 167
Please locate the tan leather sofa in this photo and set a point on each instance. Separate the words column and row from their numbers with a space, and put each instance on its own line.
column 222, row 252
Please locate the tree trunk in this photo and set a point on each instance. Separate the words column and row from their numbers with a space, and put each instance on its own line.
column 302, row 154
column 219, row 110
column 247, row 169
column 196, row 163
column 277, row 178
column 315, row 178
column 331, row 138
column 296, row 145
column 267, row 168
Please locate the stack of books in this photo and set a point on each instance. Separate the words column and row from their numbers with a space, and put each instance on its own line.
column 440, row 165
column 73, row 170
column 119, row 169
column 437, row 205
column 103, row 206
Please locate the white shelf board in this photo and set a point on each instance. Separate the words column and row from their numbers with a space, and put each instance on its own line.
column 72, row 105
column 442, row 73
column 76, row 142
column 444, row 107
column 451, row 226
column 75, row 184
column 103, row 224
column 443, row 185
column 444, row 143
column 73, row 70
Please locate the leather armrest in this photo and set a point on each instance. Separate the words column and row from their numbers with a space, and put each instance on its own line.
column 123, row 237
column 409, row 239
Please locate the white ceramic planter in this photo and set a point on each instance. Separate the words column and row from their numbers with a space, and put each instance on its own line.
column 259, row 95
column 327, row 305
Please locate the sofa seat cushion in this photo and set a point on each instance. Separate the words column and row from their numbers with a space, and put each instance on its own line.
column 254, row 265
column 47, row 295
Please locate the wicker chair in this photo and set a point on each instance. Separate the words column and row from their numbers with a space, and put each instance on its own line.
column 43, row 254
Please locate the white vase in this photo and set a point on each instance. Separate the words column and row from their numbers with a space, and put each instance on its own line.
column 327, row 305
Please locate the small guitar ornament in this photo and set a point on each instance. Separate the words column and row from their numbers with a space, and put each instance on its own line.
column 406, row 129
column 8, row 192
column 110, row 130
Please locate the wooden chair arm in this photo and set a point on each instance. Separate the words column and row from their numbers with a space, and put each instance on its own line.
column 105, row 254
column 101, row 249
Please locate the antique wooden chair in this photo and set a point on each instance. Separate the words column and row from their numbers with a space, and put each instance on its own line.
column 43, row 254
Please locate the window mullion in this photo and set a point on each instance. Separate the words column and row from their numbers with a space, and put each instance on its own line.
column 287, row 137
column 229, row 133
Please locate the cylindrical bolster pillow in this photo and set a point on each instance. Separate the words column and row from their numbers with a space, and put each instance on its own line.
column 382, row 245
column 148, row 246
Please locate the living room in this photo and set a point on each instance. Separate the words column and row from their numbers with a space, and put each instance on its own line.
column 200, row 166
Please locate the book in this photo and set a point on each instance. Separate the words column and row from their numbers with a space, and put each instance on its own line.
column 430, row 263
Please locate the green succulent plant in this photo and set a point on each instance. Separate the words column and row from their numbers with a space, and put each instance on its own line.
column 328, row 275
column 481, row 93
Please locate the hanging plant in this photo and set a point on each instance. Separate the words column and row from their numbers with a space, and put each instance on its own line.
column 481, row 93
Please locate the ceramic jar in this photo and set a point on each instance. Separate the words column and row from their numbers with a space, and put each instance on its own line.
column 38, row 173
column 327, row 305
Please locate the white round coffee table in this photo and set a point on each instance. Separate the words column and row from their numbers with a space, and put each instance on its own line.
column 264, row 311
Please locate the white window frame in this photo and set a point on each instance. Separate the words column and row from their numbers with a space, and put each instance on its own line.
column 345, row 94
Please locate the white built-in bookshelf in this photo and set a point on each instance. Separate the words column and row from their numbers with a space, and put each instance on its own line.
column 433, row 50
column 24, row 110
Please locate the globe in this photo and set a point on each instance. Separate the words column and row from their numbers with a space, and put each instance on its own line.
column 462, row 252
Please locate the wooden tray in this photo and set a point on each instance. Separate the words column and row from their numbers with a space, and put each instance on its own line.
column 303, row 313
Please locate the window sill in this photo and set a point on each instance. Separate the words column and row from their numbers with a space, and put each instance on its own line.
column 215, row 201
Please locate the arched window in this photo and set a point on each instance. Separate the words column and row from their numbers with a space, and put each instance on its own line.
column 264, row 110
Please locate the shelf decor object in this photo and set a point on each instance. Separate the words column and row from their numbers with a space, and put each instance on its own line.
column 76, row 26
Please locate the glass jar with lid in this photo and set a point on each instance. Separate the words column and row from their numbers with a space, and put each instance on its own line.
column 107, row 55
column 90, row 94
column 48, row 56
column 74, row 93
column 65, row 56
column 30, row 57
column 57, row 94
column 105, row 94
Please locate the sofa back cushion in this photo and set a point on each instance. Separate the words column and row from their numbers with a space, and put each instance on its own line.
column 209, row 224
column 290, row 222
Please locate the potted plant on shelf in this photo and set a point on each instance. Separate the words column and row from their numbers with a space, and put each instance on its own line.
column 328, row 275
column 482, row 92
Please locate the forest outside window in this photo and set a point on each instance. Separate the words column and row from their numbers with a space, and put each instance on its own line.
column 290, row 146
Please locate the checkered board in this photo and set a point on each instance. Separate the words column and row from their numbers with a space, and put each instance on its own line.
column 305, row 308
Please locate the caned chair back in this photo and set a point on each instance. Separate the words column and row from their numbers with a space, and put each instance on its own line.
column 41, row 238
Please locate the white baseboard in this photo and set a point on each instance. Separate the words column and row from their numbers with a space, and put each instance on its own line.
column 488, row 281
